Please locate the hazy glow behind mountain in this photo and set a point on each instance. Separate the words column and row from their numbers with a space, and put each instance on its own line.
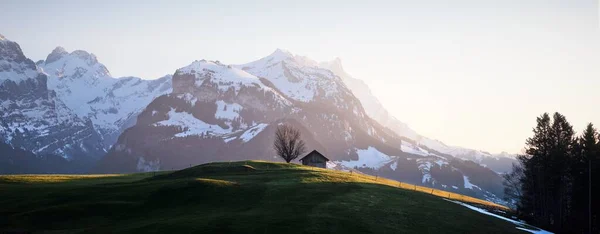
column 469, row 73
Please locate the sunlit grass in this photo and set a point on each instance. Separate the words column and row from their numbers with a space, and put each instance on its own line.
column 216, row 182
column 235, row 197
column 318, row 175
column 327, row 175
column 33, row 179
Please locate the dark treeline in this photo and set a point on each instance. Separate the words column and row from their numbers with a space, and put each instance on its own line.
column 551, row 184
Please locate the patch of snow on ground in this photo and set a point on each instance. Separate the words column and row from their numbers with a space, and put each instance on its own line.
column 370, row 157
column 518, row 223
column 252, row 132
column 534, row 231
column 330, row 165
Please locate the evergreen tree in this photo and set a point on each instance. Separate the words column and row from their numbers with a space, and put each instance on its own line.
column 586, row 151
column 562, row 153
column 532, row 201
column 546, row 183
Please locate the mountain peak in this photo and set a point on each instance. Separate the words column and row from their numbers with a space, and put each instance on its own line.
column 84, row 55
column 56, row 54
column 280, row 54
column 59, row 50
column 335, row 66
column 13, row 63
column 79, row 63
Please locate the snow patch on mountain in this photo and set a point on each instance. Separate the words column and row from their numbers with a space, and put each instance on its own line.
column 394, row 165
column 424, row 166
column 16, row 72
column 252, row 132
column 369, row 158
column 468, row 184
column 191, row 125
column 412, row 149
column 227, row 111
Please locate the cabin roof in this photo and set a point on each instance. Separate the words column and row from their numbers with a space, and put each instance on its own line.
column 314, row 152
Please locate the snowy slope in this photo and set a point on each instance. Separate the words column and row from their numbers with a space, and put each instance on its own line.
column 229, row 93
column 33, row 118
column 213, row 111
column 301, row 79
column 87, row 87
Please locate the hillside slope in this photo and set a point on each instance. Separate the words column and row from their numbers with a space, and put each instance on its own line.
column 248, row 197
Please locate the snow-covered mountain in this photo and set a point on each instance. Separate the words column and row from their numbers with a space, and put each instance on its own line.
column 33, row 118
column 87, row 87
column 219, row 112
column 68, row 105
column 498, row 162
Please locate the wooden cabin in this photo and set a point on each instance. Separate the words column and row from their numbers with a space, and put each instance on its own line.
column 315, row 159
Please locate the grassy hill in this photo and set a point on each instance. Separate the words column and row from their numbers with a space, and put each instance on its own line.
column 237, row 197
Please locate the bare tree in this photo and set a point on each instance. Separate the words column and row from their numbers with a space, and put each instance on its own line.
column 288, row 144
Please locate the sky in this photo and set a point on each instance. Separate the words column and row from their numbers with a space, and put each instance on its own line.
column 469, row 73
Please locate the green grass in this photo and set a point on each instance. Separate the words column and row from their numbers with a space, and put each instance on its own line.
column 238, row 197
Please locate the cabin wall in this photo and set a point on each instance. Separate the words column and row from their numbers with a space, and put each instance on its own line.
column 315, row 161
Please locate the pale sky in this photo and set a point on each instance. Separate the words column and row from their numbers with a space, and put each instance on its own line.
column 469, row 73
